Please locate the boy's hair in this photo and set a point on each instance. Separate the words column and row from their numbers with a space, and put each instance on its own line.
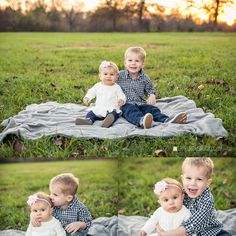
column 138, row 50
column 68, row 181
column 105, row 64
column 200, row 162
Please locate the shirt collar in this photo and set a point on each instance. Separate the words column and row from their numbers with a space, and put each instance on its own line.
column 141, row 74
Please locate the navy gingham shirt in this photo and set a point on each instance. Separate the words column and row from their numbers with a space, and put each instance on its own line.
column 76, row 211
column 203, row 220
column 137, row 89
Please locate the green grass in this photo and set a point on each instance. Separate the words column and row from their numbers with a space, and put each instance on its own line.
column 97, row 190
column 139, row 176
column 41, row 67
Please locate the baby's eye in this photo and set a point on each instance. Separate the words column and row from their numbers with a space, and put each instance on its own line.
column 188, row 178
column 34, row 210
column 165, row 200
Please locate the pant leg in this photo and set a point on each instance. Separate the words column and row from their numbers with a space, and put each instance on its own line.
column 132, row 113
column 157, row 115
column 90, row 115
column 223, row 233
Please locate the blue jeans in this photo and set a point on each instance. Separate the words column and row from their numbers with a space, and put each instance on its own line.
column 223, row 233
column 133, row 113
column 90, row 115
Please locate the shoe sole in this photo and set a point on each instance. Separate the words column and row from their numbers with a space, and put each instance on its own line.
column 148, row 119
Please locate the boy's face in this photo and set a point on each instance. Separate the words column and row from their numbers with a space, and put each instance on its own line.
column 133, row 63
column 108, row 76
column 41, row 211
column 171, row 200
column 59, row 199
column 195, row 180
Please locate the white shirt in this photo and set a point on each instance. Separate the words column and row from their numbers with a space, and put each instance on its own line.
column 106, row 98
column 166, row 220
column 49, row 228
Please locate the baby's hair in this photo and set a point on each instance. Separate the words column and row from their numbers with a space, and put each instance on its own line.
column 106, row 64
column 39, row 196
column 167, row 183
column 137, row 50
column 200, row 162
column 68, row 181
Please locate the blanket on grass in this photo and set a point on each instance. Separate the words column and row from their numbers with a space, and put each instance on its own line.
column 130, row 225
column 52, row 118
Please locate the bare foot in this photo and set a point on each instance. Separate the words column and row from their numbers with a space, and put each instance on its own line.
column 180, row 118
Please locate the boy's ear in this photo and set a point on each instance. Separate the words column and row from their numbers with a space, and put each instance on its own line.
column 209, row 181
column 69, row 198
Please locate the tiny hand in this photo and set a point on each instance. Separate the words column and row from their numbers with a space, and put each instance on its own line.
column 35, row 223
column 86, row 101
column 151, row 100
column 159, row 229
column 75, row 226
column 120, row 102
column 142, row 233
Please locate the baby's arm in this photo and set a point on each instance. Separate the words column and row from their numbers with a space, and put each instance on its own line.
column 121, row 97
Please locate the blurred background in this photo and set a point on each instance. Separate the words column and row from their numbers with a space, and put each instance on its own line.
column 118, row 15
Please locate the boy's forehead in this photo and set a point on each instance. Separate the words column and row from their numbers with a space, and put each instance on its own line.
column 191, row 167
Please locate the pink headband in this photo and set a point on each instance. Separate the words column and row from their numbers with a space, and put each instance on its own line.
column 162, row 186
column 105, row 64
column 33, row 199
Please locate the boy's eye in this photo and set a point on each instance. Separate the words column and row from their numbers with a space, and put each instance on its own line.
column 199, row 179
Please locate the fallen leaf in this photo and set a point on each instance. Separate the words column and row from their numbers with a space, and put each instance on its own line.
column 225, row 181
column 121, row 211
column 175, row 149
column 200, row 87
column 17, row 146
column 160, row 153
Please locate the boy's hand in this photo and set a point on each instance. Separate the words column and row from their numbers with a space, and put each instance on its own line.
column 152, row 99
column 75, row 226
column 86, row 101
column 142, row 233
column 121, row 102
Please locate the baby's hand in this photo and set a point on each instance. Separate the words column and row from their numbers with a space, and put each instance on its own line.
column 75, row 226
column 121, row 102
column 34, row 222
column 152, row 99
column 86, row 100
column 142, row 233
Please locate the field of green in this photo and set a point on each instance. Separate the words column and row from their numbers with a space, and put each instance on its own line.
column 97, row 190
column 41, row 67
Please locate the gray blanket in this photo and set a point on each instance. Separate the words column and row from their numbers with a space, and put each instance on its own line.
column 130, row 225
column 53, row 118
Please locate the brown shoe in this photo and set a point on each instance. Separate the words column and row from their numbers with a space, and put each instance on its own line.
column 80, row 121
column 147, row 121
column 108, row 121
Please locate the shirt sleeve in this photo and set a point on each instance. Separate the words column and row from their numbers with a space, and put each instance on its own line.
column 149, row 89
column 152, row 222
column 195, row 223
column 85, row 216
column 91, row 92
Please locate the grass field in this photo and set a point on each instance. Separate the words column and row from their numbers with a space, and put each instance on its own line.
column 97, row 190
column 41, row 67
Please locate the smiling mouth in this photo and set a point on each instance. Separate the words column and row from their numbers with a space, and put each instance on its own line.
column 192, row 191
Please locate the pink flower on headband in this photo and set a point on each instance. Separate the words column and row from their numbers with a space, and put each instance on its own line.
column 105, row 64
column 32, row 199
column 160, row 187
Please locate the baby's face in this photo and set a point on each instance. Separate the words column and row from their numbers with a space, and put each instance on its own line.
column 108, row 76
column 195, row 180
column 171, row 199
column 41, row 211
column 59, row 199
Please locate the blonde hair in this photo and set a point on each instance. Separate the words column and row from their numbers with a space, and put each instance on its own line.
column 205, row 162
column 68, row 181
column 138, row 50
column 106, row 64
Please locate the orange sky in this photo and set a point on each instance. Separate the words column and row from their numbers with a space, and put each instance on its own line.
column 229, row 15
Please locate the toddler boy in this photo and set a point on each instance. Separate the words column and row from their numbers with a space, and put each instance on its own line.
column 137, row 87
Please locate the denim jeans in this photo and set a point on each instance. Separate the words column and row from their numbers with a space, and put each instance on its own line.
column 90, row 115
column 223, row 233
column 133, row 113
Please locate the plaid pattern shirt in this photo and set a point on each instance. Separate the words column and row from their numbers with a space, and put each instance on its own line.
column 76, row 211
column 203, row 221
column 135, row 90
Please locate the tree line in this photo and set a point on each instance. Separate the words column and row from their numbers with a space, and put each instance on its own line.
column 110, row 16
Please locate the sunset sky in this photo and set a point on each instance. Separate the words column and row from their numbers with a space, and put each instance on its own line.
column 229, row 15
